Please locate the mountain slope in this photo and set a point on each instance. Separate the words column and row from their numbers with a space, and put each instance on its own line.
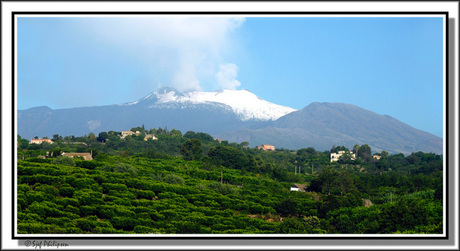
column 211, row 112
column 236, row 116
column 322, row 125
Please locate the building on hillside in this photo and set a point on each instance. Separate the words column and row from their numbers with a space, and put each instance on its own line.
column 129, row 133
column 266, row 147
column 376, row 156
column 336, row 156
column 85, row 156
column 299, row 188
column 150, row 136
column 39, row 141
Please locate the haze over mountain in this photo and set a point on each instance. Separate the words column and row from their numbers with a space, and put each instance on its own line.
column 236, row 116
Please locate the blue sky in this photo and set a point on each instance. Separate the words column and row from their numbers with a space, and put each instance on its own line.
column 388, row 65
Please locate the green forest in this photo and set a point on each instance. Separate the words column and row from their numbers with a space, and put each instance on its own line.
column 194, row 184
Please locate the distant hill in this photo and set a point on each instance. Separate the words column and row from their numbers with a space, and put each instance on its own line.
column 236, row 116
column 322, row 125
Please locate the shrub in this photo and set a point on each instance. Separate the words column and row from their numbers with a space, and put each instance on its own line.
column 106, row 230
column 72, row 209
column 92, row 164
column 124, row 223
column 85, row 224
column 113, row 187
column 145, row 194
column 87, row 210
column 122, row 194
column 119, row 168
column 62, row 222
column 45, row 209
column 222, row 188
column 68, row 201
column 173, row 179
column 81, row 182
column 23, row 188
column 287, row 207
column 63, row 160
column 29, row 217
column 143, row 230
column 36, row 196
column 47, row 189
column 38, row 228
column 66, row 191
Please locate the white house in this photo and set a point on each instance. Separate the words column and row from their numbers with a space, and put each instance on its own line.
column 128, row 133
column 266, row 147
column 336, row 156
column 299, row 187
column 39, row 141
column 150, row 136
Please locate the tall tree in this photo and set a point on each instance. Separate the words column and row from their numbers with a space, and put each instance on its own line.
column 91, row 137
column 191, row 149
column 56, row 137
column 103, row 136
column 344, row 182
column 356, row 149
column 365, row 152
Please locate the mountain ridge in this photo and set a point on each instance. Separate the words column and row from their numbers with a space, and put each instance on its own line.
column 341, row 124
column 236, row 116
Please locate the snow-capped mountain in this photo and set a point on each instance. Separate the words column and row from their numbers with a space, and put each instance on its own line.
column 210, row 112
column 245, row 104
column 236, row 116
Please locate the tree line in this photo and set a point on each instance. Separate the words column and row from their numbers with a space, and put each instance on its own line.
column 191, row 183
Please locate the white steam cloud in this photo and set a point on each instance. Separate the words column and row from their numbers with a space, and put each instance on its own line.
column 226, row 77
column 187, row 53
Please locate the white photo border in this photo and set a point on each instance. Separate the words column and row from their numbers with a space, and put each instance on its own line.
column 10, row 11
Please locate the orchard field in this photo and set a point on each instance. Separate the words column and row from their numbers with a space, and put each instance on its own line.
column 193, row 184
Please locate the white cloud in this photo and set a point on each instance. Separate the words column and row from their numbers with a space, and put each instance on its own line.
column 226, row 77
column 180, row 50
column 185, row 78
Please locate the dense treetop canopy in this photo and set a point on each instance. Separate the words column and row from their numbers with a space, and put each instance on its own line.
column 191, row 183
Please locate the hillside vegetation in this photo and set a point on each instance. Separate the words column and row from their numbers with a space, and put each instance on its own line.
column 192, row 184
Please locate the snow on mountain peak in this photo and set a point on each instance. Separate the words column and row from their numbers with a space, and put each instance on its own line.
column 243, row 102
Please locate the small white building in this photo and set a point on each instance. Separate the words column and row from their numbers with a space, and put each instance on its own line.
column 39, row 141
column 150, row 136
column 299, row 188
column 336, row 156
column 129, row 133
column 266, row 147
